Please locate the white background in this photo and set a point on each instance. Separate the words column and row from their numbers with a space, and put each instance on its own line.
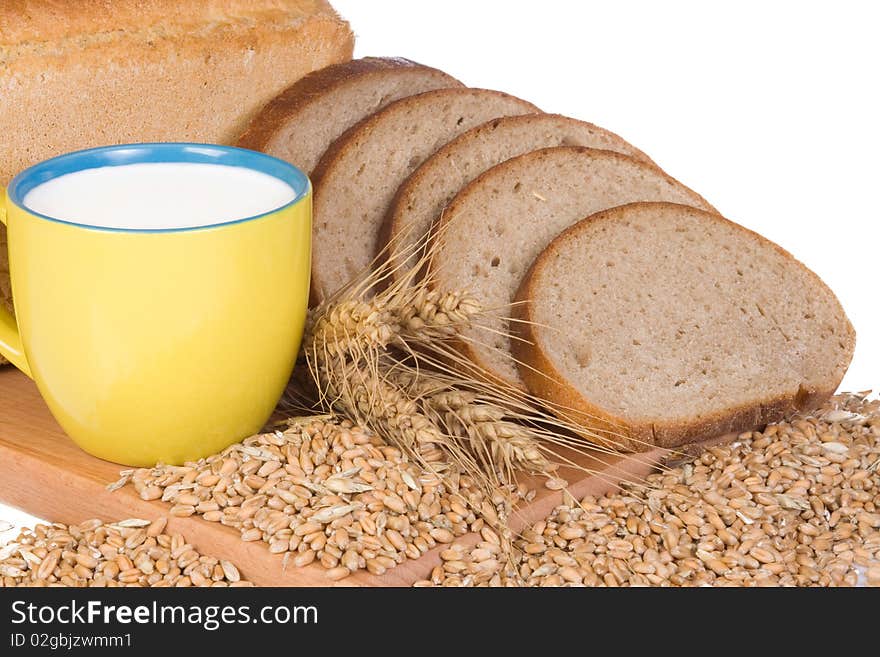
column 770, row 110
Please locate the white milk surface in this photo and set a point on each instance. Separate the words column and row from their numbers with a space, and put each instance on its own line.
column 159, row 195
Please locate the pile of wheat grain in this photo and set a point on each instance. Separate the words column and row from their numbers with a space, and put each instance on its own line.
column 795, row 505
column 321, row 490
column 131, row 552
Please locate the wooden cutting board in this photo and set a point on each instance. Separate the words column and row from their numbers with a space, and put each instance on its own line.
column 43, row 473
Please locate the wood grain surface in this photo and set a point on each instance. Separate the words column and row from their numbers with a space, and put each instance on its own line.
column 43, row 473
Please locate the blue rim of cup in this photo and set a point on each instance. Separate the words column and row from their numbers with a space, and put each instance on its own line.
column 172, row 152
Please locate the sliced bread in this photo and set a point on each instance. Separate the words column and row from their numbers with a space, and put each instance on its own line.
column 671, row 324
column 357, row 177
column 497, row 225
column 300, row 123
column 424, row 195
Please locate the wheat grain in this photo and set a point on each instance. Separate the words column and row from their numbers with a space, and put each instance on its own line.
column 774, row 508
column 131, row 552
column 330, row 493
column 383, row 362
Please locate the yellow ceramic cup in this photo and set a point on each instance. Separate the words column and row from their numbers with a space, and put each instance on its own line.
column 157, row 345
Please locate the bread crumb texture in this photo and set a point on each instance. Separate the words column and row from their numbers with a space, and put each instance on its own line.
column 659, row 313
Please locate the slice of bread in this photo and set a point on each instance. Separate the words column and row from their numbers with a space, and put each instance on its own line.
column 300, row 123
column 497, row 225
column 357, row 177
column 672, row 324
column 423, row 196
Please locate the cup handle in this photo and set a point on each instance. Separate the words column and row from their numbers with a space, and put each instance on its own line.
column 10, row 338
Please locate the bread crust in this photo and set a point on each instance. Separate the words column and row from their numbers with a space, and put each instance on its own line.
column 150, row 79
column 349, row 142
column 48, row 22
column 192, row 85
column 544, row 380
column 466, row 348
column 393, row 227
column 297, row 98
column 75, row 75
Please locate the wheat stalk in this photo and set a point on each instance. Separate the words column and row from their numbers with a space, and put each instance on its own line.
column 490, row 435
column 388, row 358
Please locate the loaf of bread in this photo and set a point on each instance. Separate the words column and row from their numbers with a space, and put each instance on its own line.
column 497, row 225
column 302, row 122
column 89, row 72
column 359, row 174
column 421, row 199
column 664, row 324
